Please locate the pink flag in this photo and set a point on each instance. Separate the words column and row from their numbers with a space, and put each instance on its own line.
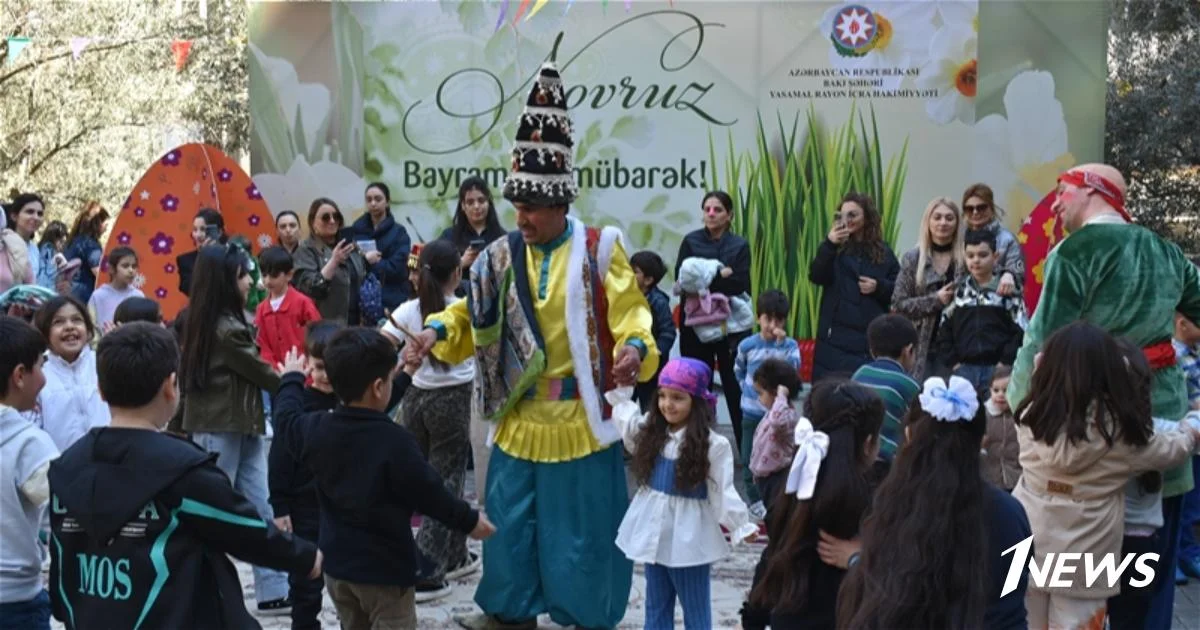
column 77, row 46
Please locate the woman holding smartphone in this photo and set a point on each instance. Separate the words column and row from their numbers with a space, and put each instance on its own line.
column 475, row 225
column 858, row 271
column 384, row 245
column 329, row 267
column 208, row 228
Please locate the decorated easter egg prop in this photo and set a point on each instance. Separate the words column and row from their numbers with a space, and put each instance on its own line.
column 1040, row 232
column 156, row 219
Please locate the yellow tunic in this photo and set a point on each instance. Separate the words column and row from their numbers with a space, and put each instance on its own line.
column 543, row 430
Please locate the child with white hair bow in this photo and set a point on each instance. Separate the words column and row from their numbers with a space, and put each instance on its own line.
column 930, row 554
column 828, row 489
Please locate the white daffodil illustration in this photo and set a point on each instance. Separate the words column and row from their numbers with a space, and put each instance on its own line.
column 1020, row 155
column 303, row 182
column 952, row 70
column 888, row 36
column 945, row 12
column 310, row 102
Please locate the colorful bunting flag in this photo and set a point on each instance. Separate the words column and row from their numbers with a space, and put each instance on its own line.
column 537, row 7
column 15, row 46
column 181, row 48
column 503, row 12
column 77, row 46
column 521, row 10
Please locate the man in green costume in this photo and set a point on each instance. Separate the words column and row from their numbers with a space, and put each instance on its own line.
column 1125, row 279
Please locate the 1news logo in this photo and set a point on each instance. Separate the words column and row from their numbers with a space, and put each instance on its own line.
column 1058, row 570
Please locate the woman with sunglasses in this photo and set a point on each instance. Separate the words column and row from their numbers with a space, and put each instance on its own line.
column 981, row 213
column 329, row 267
column 858, row 271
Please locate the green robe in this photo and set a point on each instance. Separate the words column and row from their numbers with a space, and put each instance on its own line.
column 1128, row 281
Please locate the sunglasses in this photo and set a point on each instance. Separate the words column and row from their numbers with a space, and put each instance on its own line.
column 329, row 218
column 973, row 208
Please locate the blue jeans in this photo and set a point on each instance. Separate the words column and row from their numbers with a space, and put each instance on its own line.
column 244, row 459
column 1162, row 605
column 750, row 422
column 31, row 615
column 1189, row 548
column 979, row 375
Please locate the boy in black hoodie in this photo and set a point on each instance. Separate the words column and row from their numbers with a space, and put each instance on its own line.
column 141, row 521
column 293, row 491
column 370, row 476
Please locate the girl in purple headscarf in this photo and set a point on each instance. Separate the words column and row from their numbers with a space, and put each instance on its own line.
column 684, row 473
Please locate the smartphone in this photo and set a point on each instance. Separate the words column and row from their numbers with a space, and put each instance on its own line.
column 212, row 233
column 346, row 234
column 478, row 244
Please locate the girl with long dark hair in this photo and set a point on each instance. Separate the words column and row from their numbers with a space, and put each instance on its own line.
column 24, row 216
column 684, row 473
column 208, row 228
column 70, row 404
column 221, row 379
column 1085, row 430
column 475, row 224
column 914, row 571
column 83, row 244
column 828, row 489
column 50, row 248
column 437, row 409
column 858, row 272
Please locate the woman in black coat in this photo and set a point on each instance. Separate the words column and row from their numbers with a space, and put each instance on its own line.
column 208, row 228
column 858, row 272
column 475, row 225
column 715, row 241
column 388, row 258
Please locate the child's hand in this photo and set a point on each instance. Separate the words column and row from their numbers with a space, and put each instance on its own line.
column 108, row 327
column 836, row 552
column 726, row 272
column 294, row 361
column 782, row 392
column 751, row 538
column 316, row 570
column 412, row 360
column 483, row 528
column 284, row 524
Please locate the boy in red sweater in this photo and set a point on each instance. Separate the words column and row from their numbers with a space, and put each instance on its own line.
column 281, row 318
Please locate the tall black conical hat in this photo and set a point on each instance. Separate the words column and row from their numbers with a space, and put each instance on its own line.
column 541, row 158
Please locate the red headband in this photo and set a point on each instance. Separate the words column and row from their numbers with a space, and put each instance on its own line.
column 1105, row 188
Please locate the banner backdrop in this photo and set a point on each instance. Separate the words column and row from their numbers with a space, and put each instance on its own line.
column 787, row 105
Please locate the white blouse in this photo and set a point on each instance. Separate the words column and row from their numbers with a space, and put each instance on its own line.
column 673, row 530
column 70, row 403
column 427, row 376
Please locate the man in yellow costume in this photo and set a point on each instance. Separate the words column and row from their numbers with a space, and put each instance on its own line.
column 554, row 319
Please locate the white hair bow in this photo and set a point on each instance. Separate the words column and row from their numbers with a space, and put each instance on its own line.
column 951, row 402
column 811, row 446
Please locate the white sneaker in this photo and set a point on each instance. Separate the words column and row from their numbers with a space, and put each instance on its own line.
column 758, row 510
column 431, row 591
column 467, row 568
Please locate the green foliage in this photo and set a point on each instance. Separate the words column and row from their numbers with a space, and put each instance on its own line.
column 1154, row 75
column 785, row 200
column 84, row 129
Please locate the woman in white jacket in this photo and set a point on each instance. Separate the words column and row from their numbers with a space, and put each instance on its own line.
column 70, row 404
